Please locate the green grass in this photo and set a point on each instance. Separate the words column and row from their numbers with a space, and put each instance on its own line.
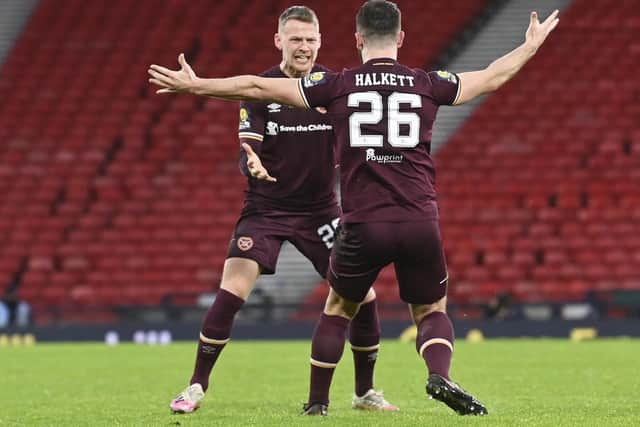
column 522, row 382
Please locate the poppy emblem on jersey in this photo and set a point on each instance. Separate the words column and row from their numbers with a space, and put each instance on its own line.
column 314, row 79
column 445, row 75
column 245, row 243
column 244, row 119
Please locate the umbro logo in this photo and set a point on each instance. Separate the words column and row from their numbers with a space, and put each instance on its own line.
column 274, row 107
column 210, row 349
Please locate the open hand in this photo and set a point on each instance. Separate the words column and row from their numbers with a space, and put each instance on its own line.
column 254, row 164
column 538, row 32
column 171, row 81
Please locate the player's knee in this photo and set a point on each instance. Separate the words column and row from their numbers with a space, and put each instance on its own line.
column 340, row 309
column 420, row 311
column 239, row 276
column 239, row 286
column 338, row 306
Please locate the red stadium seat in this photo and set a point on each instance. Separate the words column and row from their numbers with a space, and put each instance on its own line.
column 567, row 212
column 107, row 187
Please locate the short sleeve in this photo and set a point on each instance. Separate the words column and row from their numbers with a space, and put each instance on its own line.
column 252, row 121
column 319, row 89
column 445, row 86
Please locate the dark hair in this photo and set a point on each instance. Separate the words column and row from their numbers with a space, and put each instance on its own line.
column 299, row 13
column 378, row 19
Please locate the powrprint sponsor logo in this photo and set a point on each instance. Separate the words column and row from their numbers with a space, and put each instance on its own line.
column 244, row 243
column 383, row 158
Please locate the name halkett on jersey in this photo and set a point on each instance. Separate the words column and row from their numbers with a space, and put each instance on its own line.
column 383, row 79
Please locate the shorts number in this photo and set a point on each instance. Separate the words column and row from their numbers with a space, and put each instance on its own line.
column 327, row 232
column 395, row 119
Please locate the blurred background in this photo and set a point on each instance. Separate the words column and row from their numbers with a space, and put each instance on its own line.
column 117, row 205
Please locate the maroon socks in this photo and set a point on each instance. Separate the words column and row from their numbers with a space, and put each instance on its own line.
column 215, row 333
column 364, row 336
column 326, row 350
column 435, row 342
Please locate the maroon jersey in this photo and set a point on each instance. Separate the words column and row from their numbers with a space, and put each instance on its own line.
column 383, row 113
column 294, row 146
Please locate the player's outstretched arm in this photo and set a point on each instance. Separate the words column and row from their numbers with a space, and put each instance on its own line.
column 476, row 83
column 252, row 88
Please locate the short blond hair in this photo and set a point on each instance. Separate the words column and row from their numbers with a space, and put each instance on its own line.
column 298, row 13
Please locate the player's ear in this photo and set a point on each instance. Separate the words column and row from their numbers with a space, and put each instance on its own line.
column 400, row 38
column 319, row 40
column 277, row 41
column 359, row 41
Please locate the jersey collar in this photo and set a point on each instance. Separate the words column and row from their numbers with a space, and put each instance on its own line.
column 381, row 61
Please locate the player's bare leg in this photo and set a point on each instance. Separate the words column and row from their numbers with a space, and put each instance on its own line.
column 364, row 337
column 435, row 345
column 238, row 279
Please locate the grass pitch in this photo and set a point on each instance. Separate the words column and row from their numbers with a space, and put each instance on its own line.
column 522, row 382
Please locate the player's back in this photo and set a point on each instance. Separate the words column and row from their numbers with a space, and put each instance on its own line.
column 383, row 114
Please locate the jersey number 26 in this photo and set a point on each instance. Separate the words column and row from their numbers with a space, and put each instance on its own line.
column 395, row 119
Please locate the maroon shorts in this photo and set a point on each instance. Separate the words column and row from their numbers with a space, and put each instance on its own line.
column 415, row 248
column 259, row 237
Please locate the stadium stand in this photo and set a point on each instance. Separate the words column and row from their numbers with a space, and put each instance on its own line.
column 538, row 189
column 113, row 196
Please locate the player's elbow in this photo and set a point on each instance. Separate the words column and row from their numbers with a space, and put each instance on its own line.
column 494, row 84
column 493, row 79
column 244, row 88
column 497, row 77
column 252, row 94
column 258, row 90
